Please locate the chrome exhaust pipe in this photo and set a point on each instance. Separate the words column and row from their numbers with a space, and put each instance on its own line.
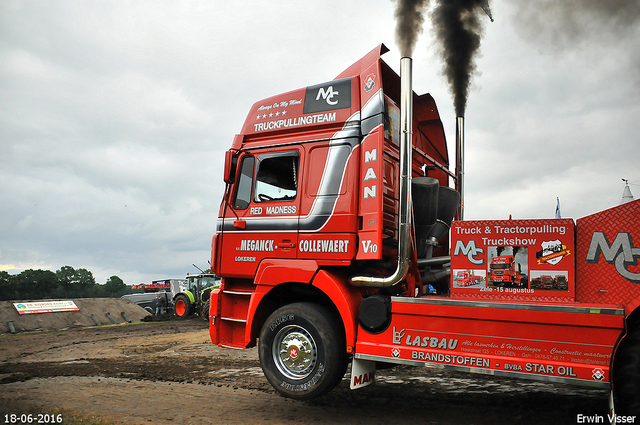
column 460, row 163
column 404, row 213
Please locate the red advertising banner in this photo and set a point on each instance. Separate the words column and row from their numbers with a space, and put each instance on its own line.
column 513, row 259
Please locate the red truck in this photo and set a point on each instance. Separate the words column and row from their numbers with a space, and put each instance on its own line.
column 546, row 282
column 560, row 282
column 505, row 271
column 336, row 221
column 465, row 278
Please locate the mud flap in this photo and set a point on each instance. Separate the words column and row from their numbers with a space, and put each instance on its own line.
column 363, row 373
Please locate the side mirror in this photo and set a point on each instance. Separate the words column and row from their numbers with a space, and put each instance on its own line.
column 230, row 164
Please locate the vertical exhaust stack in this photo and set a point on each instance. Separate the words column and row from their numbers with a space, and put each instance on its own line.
column 406, row 157
column 404, row 213
column 460, row 162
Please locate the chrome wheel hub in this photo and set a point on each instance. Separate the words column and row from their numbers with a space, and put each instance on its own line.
column 294, row 352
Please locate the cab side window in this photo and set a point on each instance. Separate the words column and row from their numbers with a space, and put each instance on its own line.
column 276, row 177
column 245, row 184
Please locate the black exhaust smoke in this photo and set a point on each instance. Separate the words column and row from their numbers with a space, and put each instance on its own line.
column 409, row 17
column 459, row 31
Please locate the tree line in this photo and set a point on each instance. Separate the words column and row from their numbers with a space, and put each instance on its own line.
column 64, row 283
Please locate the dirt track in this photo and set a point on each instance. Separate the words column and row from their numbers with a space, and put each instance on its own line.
column 170, row 373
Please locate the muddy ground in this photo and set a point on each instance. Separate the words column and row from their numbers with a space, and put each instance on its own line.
column 169, row 373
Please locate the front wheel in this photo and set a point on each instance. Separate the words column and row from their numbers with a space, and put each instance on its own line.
column 626, row 377
column 204, row 312
column 183, row 307
column 302, row 351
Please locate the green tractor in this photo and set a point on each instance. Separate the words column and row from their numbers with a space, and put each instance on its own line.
column 194, row 299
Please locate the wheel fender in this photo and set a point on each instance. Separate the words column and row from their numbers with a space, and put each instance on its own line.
column 274, row 272
column 271, row 273
column 192, row 299
column 346, row 298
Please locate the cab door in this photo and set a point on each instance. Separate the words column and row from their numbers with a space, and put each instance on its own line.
column 261, row 220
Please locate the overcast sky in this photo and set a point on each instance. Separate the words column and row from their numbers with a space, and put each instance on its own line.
column 114, row 115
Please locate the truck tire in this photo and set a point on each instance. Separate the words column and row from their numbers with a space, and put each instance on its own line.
column 302, row 351
column 626, row 378
column 204, row 311
column 183, row 307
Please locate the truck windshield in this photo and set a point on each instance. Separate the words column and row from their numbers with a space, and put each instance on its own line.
column 500, row 266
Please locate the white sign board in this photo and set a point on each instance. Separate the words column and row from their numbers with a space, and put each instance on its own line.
column 45, row 307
